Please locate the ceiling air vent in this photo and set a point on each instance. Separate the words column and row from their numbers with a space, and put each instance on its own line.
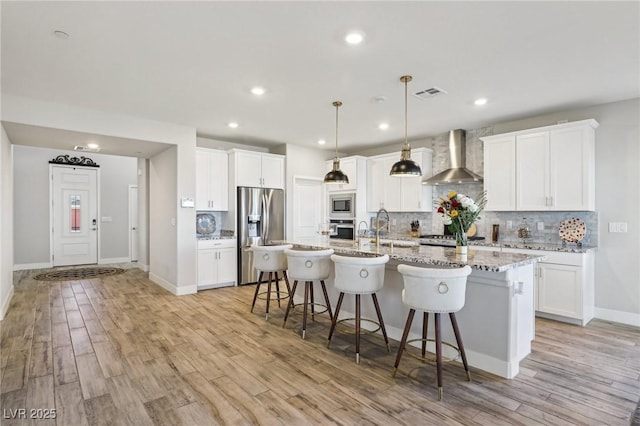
column 429, row 93
column 85, row 149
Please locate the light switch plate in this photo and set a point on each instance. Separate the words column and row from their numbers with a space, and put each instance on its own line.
column 187, row 203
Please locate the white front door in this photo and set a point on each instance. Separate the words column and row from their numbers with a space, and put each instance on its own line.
column 74, row 215
column 133, row 222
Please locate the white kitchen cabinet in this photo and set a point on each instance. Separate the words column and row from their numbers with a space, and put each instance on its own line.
column 257, row 169
column 212, row 180
column 565, row 289
column 554, row 168
column 399, row 194
column 352, row 167
column 216, row 263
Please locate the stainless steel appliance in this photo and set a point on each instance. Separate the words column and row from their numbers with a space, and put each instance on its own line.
column 260, row 213
column 342, row 206
column 344, row 229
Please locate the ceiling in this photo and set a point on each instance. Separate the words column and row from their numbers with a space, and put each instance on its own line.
column 194, row 63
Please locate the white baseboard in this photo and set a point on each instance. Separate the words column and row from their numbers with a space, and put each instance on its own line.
column 25, row 266
column 110, row 260
column 4, row 307
column 172, row 288
column 143, row 268
column 622, row 317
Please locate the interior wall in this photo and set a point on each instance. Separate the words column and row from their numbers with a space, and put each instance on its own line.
column 224, row 145
column 143, row 214
column 162, row 219
column 6, row 223
column 32, row 182
column 301, row 161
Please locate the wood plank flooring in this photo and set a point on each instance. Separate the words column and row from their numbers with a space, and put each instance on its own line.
column 122, row 351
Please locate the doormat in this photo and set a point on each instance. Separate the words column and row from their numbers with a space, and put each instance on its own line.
column 78, row 274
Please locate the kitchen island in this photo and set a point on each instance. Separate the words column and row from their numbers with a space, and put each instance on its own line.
column 497, row 321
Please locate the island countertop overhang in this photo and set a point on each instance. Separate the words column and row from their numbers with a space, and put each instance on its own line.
column 492, row 261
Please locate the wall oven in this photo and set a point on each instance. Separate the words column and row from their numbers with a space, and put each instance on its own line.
column 344, row 229
column 342, row 206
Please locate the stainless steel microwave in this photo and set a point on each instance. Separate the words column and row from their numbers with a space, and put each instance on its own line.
column 342, row 205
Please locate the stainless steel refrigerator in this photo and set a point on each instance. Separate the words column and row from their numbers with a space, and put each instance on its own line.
column 260, row 213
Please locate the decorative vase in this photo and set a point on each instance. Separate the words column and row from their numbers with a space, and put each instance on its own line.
column 461, row 243
column 461, row 249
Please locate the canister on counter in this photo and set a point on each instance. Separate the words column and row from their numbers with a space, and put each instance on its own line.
column 495, row 233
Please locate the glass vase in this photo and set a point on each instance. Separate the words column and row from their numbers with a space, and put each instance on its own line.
column 461, row 243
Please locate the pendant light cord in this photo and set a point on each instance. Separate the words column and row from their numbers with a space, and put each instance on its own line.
column 337, row 106
column 406, row 81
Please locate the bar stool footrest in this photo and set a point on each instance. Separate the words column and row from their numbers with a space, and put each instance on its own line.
column 362, row 330
column 262, row 295
column 293, row 308
column 432, row 358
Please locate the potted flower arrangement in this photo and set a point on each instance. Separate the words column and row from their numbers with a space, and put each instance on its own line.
column 458, row 213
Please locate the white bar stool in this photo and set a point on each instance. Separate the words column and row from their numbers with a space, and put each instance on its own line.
column 271, row 259
column 359, row 275
column 437, row 291
column 308, row 266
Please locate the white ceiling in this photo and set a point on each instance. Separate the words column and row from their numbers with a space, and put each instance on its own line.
column 193, row 63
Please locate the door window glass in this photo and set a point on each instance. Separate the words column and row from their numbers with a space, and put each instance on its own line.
column 75, row 212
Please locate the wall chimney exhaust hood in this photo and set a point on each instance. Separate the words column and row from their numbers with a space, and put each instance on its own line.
column 458, row 173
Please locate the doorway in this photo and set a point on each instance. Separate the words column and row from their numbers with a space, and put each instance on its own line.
column 133, row 223
column 74, row 215
column 308, row 193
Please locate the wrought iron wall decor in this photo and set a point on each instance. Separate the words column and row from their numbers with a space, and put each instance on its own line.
column 74, row 161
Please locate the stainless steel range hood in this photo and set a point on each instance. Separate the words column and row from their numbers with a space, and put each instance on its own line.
column 458, row 173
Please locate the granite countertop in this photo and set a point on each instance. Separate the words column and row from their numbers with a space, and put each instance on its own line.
column 568, row 248
column 493, row 261
column 214, row 237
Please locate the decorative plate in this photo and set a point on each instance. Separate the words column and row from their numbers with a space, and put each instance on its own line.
column 205, row 223
column 572, row 230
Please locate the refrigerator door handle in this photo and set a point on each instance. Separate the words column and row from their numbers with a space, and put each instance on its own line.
column 265, row 217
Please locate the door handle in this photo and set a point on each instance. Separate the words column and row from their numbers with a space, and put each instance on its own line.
column 133, row 229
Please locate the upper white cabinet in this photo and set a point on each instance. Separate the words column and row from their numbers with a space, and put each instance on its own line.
column 257, row 169
column 355, row 167
column 548, row 168
column 212, row 180
column 399, row 194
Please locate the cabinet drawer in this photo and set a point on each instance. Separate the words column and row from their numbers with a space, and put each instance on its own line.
column 211, row 244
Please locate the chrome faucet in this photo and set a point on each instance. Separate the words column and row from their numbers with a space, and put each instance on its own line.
column 366, row 227
column 378, row 226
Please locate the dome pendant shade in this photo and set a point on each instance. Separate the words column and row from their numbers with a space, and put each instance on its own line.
column 336, row 175
column 406, row 167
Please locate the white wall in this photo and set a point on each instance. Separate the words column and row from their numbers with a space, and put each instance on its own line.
column 31, row 207
column 301, row 161
column 224, row 145
column 143, row 214
column 6, row 223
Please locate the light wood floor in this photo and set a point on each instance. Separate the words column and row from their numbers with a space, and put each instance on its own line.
column 121, row 350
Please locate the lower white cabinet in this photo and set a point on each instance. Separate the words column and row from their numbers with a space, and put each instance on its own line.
column 565, row 289
column 216, row 263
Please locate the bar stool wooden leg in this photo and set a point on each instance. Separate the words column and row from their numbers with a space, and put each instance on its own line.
column 277, row 289
column 307, row 284
column 313, row 311
column 439, row 355
column 326, row 298
column 357, row 329
column 382, row 327
column 403, row 342
column 456, row 331
column 268, row 294
column 334, row 319
column 290, row 304
column 255, row 295
column 425, row 324
column 286, row 281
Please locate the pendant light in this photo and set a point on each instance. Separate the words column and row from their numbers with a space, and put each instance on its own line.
column 406, row 167
column 336, row 175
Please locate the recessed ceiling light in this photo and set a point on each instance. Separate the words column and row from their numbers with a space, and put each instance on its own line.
column 93, row 145
column 354, row 38
column 233, row 125
column 383, row 126
column 321, row 142
column 61, row 34
column 257, row 90
column 480, row 101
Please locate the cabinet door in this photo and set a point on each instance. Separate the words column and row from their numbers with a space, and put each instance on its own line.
column 375, row 185
column 391, row 184
column 411, row 191
column 532, row 171
column 500, row 173
column 207, row 267
column 219, row 181
column 203, row 202
column 560, row 290
column 248, row 169
column 227, row 265
column 273, row 172
column 569, row 160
